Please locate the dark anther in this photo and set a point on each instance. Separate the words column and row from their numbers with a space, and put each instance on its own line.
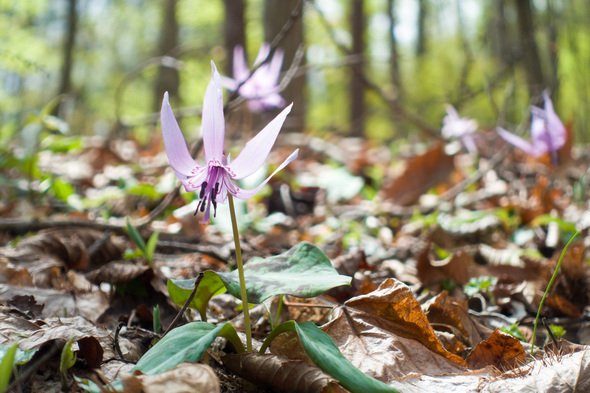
column 216, row 191
column 204, row 200
column 202, row 192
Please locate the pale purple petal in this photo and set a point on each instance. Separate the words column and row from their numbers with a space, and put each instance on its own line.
column 274, row 68
column 229, row 83
column 174, row 143
column 241, row 70
column 517, row 141
column 213, row 122
column 469, row 143
column 257, row 149
column 555, row 127
column 245, row 194
column 262, row 53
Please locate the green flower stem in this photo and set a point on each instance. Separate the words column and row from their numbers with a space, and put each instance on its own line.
column 234, row 224
column 548, row 288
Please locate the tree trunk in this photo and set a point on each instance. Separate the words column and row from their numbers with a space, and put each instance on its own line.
column 278, row 13
column 394, row 56
column 65, row 85
column 357, row 86
column 528, row 45
column 168, row 78
column 553, row 24
column 234, row 30
column 422, row 15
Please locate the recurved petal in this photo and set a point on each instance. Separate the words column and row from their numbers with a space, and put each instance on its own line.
column 555, row 127
column 517, row 141
column 240, row 67
column 213, row 122
column 257, row 149
column 174, row 143
column 245, row 194
column 229, row 83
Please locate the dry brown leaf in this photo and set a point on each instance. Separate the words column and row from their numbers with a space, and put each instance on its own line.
column 386, row 335
column 459, row 267
column 117, row 272
column 421, row 173
column 281, row 374
column 453, row 313
column 184, row 378
column 501, row 350
column 89, row 305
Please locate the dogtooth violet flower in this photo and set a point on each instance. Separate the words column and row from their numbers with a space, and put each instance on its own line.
column 261, row 89
column 548, row 134
column 216, row 178
column 459, row 127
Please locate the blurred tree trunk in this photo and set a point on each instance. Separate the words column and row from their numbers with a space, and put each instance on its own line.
column 499, row 43
column 553, row 23
column 278, row 13
column 422, row 15
column 528, row 45
column 234, row 30
column 167, row 79
column 394, row 55
column 65, row 84
column 357, row 86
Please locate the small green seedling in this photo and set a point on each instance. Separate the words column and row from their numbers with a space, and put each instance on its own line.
column 481, row 284
column 144, row 250
column 6, row 365
column 514, row 332
column 68, row 359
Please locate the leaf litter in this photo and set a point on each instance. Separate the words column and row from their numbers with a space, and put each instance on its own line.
column 431, row 227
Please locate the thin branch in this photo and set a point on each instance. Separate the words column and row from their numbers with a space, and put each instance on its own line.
column 183, row 309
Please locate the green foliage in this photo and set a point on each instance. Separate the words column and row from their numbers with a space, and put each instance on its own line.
column 67, row 361
column 324, row 353
column 145, row 250
column 6, row 365
column 557, row 331
column 157, row 325
column 481, row 284
column 303, row 271
column 186, row 343
column 514, row 332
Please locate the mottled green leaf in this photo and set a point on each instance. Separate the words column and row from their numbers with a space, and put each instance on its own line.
column 210, row 285
column 186, row 343
column 303, row 271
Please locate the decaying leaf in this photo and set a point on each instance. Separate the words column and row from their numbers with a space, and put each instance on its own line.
column 387, row 335
column 421, row 173
column 459, row 267
column 185, row 378
column 117, row 272
column 501, row 350
column 446, row 313
column 281, row 374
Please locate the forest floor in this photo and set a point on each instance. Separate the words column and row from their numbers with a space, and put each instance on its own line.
column 449, row 255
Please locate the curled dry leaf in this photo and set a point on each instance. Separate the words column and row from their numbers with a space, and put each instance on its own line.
column 387, row 335
column 281, row 374
column 185, row 378
column 117, row 272
column 453, row 314
column 459, row 267
column 70, row 245
column 501, row 350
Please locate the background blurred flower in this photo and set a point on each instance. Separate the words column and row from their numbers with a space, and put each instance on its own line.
column 261, row 89
column 459, row 127
column 548, row 134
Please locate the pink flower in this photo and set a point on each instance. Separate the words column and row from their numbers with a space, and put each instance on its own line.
column 216, row 178
column 459, row 127
column 261, row 89
column 548, row 134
